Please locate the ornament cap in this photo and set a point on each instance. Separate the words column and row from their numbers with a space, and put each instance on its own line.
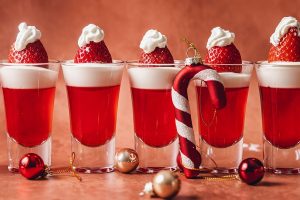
column 192, row 61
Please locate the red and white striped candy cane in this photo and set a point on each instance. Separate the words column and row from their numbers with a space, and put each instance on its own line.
column 190, row 157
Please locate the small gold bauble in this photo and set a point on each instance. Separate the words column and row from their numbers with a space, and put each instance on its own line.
column 166, row 184
column 126, row 160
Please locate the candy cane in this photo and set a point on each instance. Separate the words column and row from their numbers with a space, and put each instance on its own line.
column 190, row 157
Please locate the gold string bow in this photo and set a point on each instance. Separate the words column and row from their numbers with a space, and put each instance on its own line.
column 61, row 170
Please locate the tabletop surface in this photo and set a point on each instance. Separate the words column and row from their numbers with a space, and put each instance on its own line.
column 128, row 186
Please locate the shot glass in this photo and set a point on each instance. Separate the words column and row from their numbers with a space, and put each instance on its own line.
column 28, row 91
column 279, row 86
column 221, row 131
column 93, row 93
column 154, row 115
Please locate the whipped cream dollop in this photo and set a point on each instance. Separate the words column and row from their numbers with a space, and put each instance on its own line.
column 153, row 39
column 282, row 28
column 90, row 33
column 220, row 37
column 26, row 35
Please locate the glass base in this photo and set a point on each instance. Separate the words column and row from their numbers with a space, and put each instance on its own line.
column 16, row 151
column 281, row 161
column 220, row 170
column 285, row 171
column 221, row 160
column 154, row 159
column 93, row 159
column 151, row 170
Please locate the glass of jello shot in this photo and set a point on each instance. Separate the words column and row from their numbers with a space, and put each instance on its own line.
column 279, row 86
column 221, row 131
column 93, row 83
column 151, row 79
column 28, row 83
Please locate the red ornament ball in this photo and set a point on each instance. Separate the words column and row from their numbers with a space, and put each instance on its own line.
column 251, row 171
column 32, row 166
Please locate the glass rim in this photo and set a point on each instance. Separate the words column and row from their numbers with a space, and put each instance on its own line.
column 50, row 61
column 136, row 63
column 71, row 63
column 277, row 63
column 244, row 63
column 179, row 62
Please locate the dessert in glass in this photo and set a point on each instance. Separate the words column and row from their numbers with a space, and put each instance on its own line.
column 93, row 83
column 151, row 79
column 28, row 82
column 221, row 131
column 279, row 86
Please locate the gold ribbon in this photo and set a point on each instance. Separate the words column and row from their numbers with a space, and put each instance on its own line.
column 73, row 168
column 63, row 170
column 207, row 175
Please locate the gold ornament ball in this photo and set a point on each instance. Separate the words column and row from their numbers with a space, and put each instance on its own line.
column 166, row 184
column 126, row 160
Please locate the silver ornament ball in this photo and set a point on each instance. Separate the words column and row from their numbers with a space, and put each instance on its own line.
column 166, row 184
column 126, row 160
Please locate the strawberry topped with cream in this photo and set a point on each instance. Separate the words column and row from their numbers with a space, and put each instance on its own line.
column 221, row 50
column 28, row 48
column 285, row 41
column 92, row 48
column 155, row 50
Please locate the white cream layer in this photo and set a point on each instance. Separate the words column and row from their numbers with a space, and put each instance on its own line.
column 92, row 74
column 152, row 77
column 233, row 80
column 279, row 75
column 27, row 77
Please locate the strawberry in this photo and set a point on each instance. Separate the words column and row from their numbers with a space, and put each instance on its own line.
column 158, row 56
column 224, row 55
column 288, row 48
column 33, row 53
column 93, row 52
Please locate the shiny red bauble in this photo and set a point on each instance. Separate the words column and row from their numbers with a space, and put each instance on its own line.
column 32, row 166
column 251, row 171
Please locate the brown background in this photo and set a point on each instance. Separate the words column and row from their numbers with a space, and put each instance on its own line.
column 124, row 23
